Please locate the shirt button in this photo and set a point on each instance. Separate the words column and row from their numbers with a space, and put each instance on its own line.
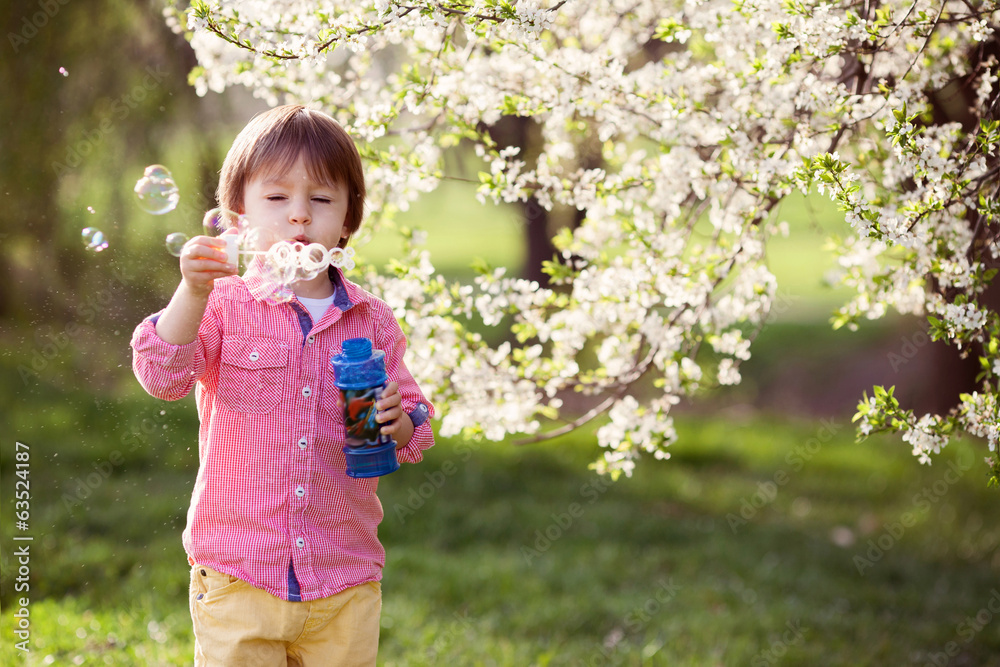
column 311, row 339
column 300, row 492
column 303, row 443
column 300, row 543
column 307, row 392
column 254, row 356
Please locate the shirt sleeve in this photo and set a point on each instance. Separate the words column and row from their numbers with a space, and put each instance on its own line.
column 169, row 371
column 391, row 340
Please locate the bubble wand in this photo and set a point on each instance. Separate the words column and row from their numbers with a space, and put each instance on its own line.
column 285, row 262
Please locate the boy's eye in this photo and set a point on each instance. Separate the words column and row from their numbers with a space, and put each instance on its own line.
column 323, row 200
column 275, row 197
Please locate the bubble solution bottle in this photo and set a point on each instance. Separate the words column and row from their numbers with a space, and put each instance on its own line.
column 359, row 373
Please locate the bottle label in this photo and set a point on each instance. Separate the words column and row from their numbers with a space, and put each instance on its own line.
column 359, row 417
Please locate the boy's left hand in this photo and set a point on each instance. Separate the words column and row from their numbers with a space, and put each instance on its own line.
column 389, row 409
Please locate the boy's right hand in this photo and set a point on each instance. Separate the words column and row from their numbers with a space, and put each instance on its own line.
column 203, row 260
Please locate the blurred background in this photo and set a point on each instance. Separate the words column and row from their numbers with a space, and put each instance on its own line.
column 744, row 548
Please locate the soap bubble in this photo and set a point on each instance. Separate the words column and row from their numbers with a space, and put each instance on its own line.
column 175, row 243
column 259, row 239
column 90, row 209
column 287, row 262
column 218, row 220
column 93, row 239
column 270, row 289
column 157, row 172
column 279, row 296
column 342, row 258
column 62, row 70
column 282, row 262
column 312, row 260
column 158, row 194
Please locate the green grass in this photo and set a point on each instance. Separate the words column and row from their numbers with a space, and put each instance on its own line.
column 503, row 555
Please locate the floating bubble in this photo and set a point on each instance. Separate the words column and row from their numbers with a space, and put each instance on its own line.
column 158, row 194
column 279, row 296
column 288, row 262
column 282, row 262
column 175, row 243
column 157, row 172
column 90, row 209
column 313, row 259
column 258, row 239
column 342, row 258
column 62, row 70
column 271, row 273
column 93, row 239
column 219, row 220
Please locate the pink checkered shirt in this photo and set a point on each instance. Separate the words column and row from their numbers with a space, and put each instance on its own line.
column 272, row 493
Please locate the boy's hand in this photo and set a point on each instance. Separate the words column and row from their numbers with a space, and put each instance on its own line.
column 203, row 261
column 389, row 409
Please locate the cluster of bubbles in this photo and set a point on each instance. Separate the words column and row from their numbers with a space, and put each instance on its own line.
column 284, row 262
column 215, row 223
column 157, row 193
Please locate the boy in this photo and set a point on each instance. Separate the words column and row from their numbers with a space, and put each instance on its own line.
column 286, row 562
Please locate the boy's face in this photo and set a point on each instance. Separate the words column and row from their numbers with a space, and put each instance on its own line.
column 297, row 208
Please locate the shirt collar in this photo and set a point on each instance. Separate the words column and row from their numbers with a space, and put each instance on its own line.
column 341, row 299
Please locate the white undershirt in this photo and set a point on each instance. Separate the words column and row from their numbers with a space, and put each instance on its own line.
column 316, row 307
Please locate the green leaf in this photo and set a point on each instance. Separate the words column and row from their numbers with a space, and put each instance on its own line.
column 557, row 270
column 481, row 266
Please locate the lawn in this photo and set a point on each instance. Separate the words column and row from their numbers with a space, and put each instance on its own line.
column 763, row 541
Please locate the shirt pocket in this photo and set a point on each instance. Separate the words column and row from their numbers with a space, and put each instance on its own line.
column 252, row 374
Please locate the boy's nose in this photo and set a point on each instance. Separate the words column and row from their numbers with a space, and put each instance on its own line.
column 300, row 215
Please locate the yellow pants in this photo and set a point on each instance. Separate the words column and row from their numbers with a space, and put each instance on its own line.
column 236, row 624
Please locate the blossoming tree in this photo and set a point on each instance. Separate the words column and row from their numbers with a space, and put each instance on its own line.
column 706, row 114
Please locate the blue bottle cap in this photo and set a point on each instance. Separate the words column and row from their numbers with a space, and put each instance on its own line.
column 357, row 349
column 365, row 462
column 358, row 366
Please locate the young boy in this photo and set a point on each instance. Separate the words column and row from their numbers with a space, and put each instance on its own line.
column 286, row 562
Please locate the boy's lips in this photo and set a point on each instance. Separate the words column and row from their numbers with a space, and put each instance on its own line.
column 301, row 238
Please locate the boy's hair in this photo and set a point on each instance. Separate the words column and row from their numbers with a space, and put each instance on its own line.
column 273, row 140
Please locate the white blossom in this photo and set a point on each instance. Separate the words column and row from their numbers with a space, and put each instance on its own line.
column 925, row 439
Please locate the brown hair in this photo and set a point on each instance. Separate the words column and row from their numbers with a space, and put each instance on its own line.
column 274, row 139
